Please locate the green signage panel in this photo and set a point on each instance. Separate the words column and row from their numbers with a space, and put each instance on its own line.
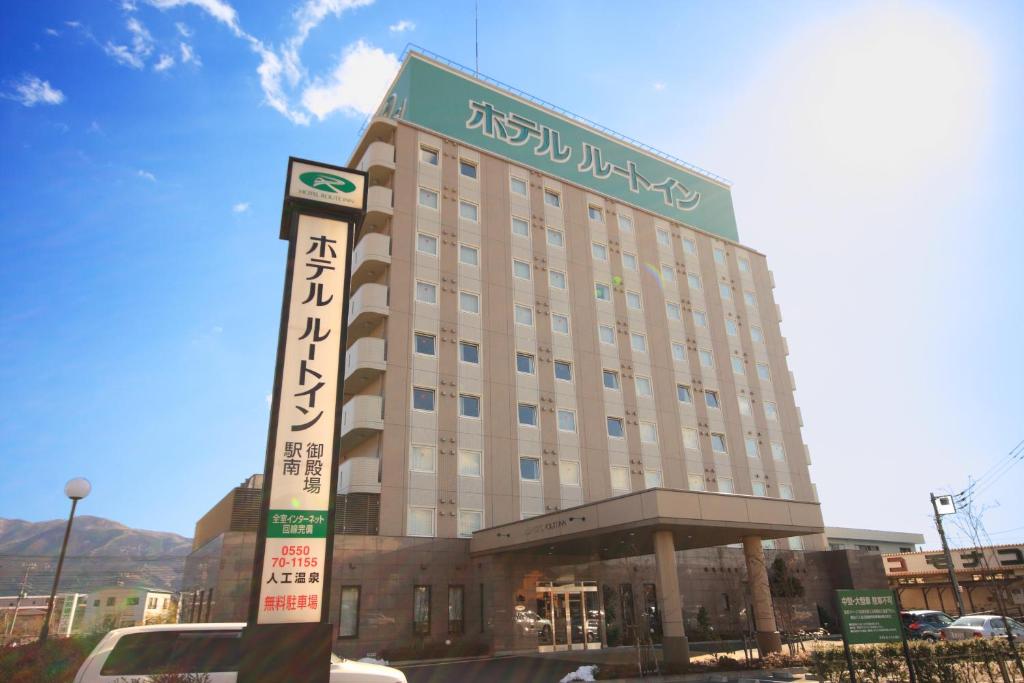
column 297, row 524
column 458, row 106
column 869, row 616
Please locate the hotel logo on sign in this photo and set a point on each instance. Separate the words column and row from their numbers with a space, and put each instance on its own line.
column 325, row 185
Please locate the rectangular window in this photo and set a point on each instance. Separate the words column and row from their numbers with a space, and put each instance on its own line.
column 595, row 213
column 470, row 463
column 527, row 415
column 602, row 292
column 425, row 344
column 689, row 245
column 421, row 521
column 707, row 359
column 683, row 393
column 521, row 269
column 421, row 458
column 725, row 291
column 518, row 186
column 696, row 482
column 768, row 543
column 560, row 323
column 470, row 521
column 469, row 406
column 556, row 279
column 423, row 399
column 668, row 273
column 673, row 311
column 653, row 479
column 719, row 256
column 758, row 488
column 552, row 198
column 757, row 334
column 620, row 478
column 700, row 318
column 599, row 251
column 421, row 610
column 749, row 298
column 525, row 363
column 711, row 399
column 606, row 335
column 725, row 485
column 469, row 211
column 796, row 543
column 625, row 223
column 778, row 451
column 428, row 198
column 643, row 387
column 744, row 265
column 426, row 243
column 737, row 365
column 690, row 439
column 426, row 292
column 718, row 443
column 730, row 327
column 744, row 404
column 456, row 616
column 786, row 491
column 520, row 226
column 678, row 352
column 763, row 372
column 568, row 473
column 556, row 238
column 663, row 237
column 469, row 352
column 529, row 469
column 750, row 444
column 348, row 612
column 771, row 411
column 523, row 315
column 567, row 420
column 611, row 379
column 638, row 342
column 693, row 280
column 429, row 156
column 634, row 301
column 629, row 261
column 616, row 428
column 469, row 302
column 563, row 370
column 467, row 168
column 469, row 255
column 648, row 432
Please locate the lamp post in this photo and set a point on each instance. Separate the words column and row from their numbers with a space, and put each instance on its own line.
column 76, row 489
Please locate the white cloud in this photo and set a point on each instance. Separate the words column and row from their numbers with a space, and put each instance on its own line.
column 164, row 63
column 141, row 47
column 218, row 9
column 188, row 55
column 73, row 24
column 95, row 127
column 31, row 91
column 146, row 175
column 122, row 54
column 240, row 207
column 183, row 29
column 402, row 26
column 128, row 5
column 52, row 32
column 658, row 86
column 357, row 84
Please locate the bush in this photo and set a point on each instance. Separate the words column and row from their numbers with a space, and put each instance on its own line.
column 56, row 661
column 972, row 661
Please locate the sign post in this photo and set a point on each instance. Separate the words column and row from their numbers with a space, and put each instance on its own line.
column 288, row 634
column 871, row 616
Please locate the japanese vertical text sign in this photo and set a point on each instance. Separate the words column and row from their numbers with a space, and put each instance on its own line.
column 294, row 544
column 869, row 616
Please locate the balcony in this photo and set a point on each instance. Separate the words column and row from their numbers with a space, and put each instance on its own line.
column 367, row 309
column 379, row 208
column 364, row 362
column 379, row 162
column 371, row 255
column 361, row 418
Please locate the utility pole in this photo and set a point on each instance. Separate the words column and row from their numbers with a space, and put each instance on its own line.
column 945, row 550
column 22, row 594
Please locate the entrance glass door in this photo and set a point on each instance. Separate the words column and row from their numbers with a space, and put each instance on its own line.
column 560, row 622
column 575, row 615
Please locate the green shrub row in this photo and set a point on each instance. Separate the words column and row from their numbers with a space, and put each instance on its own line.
column 972, row 661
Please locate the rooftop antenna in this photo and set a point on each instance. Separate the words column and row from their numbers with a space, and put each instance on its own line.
column 476, row 33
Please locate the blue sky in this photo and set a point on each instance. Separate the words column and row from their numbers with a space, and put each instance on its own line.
column 875, row 150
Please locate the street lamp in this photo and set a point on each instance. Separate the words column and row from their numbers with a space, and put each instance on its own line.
column 76, row 489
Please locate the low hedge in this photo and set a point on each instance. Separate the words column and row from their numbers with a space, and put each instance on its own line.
column 970, row 661
column 56, row 661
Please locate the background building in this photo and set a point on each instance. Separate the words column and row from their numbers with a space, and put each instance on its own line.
column 120, row 606
column 843, row 538
column 21, row 617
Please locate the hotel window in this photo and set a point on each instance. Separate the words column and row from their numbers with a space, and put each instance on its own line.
column 518, row 186
column 469, row 211
column 690, row 439
column 456, row 614
column 678, row 351
column 429, row 156
column 763, row 372
column 611, row 379
column 470, row 463
column 689, row 245
column 718, row 443
column 744, row 265
column 423, row 399
column 469, row 352
column 521, row 269
column 711, row 399
column 625, row 223
column 605, row 334
column 469, row 406
column 556, row 279
column 668, row 273
column 750, row 444
column 568, row 473
column 707, row 359
column 768, row 543
column 425, row 344
column 563, row 370
column 725, row 485
column 428, row 198
column 737, row 365
column 693, row 281
column 599, row 251
column 771, row 411
column 525, row 364
column 616, row 428
column 566, row 421
column 467, row 168
column 529, row 469
column 422, row 458
column 552, row 198
column 629, row 261
column 595, row 213
column 426, row 292
column 749, row 298
column 700, row 318
column 696, row 482
column 426, row 244
column 560, row 323
column 719, row 256
column 468, row 255
column 638, row 342
column 634, row 301
column 520, row 226
column 556, row 238
column 652, row 479
column 778, row 451
column 744, row 404
column 730, row 327
column 643, row 387
column 725, row 291
column 663, row 237
column 786, row 491
column 348, row 612
column 421, row 610
column 758, row 488
column 797, row 543
column 757, row 334
column 683, row 393
column 524, row 315
column 469, row 302
column 421, row 521
column 648, row 432
column 620, row 478
column 527, row 415
column 470, row 521
column 602, row 292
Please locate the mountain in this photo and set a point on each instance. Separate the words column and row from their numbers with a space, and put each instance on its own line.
column 101, row 552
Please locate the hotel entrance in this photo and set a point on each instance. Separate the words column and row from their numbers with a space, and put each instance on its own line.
column 570, row 617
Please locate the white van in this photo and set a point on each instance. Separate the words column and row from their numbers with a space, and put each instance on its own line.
column 210, row 649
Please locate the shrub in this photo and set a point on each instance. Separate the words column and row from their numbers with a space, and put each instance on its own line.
column 972, row 661
column 55, row 661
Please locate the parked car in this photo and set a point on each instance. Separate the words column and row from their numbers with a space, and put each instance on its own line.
column 924, row 623
column 213, row 649
column 981, row 626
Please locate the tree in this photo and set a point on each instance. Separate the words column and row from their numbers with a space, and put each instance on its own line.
column 785, row 588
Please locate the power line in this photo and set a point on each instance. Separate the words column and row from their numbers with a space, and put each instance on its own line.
column 993, row 475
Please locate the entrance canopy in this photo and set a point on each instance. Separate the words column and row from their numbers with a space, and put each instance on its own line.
column 624, row 526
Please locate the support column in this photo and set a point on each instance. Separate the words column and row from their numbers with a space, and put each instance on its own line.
column 675, row 646
column 768, row 639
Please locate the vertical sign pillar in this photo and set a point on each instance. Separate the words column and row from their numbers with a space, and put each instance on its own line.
column 288, row 636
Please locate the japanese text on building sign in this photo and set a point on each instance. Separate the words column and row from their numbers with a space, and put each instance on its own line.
column 869, row 616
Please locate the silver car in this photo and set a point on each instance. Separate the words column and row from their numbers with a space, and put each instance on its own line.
column 981, row 626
